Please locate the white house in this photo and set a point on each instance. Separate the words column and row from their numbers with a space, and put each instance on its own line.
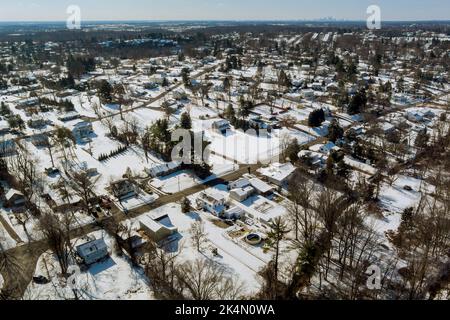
column 308, row 93
column 241, row 194
column 68, row 116
column 278, row 173
column 419, row 115
column 158, row 170
column 156, row 229
column 4, row 126
column 123, row 188
column 239, row 183
column 261, row 187
column 213, row 203
column 157, row 78
column 93, row 251
column 82, row 130
column 179, row 94
column 14, row 198
column 324, row 148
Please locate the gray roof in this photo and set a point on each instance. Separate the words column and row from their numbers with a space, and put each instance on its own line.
column 92, row 246
column 260, row 185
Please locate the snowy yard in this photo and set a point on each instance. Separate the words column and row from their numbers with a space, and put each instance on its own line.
column 113, row 279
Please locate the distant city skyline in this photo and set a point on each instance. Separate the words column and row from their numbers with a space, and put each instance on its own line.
column 104, row 10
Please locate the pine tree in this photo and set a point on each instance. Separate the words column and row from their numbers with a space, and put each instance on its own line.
column 335, row 131
column 316, row 118
column 185, row 121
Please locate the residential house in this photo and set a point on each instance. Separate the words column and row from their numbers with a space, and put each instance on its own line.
column 158, row 170
column 39, row 139
column 179, row 94
column 157, row 230
column 221, row 126
column 324, row 148
column 317, row 86
column 14, row 198
column 278, row 173
column 93, row 251
column 241, row 194
column 123, row 188
column 36, row 122
column 308, row 93
column 261, row 187
column 82, row 130
column 213, row 203
column 233, row 213
column 68, row 116
column 239, row 183
column 7, row 145
column 4, row 127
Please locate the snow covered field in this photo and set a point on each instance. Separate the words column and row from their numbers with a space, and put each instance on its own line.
column 113, row 279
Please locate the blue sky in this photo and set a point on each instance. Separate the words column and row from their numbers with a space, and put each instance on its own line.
column 46, row 10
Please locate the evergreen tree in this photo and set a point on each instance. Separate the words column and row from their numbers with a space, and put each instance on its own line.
column 185, row 121
column 230, row 114
column 105, row 91
column 358, row 102
column 316, row 118
column 335, row 131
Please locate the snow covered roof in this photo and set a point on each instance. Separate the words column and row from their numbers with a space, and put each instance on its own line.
column 212, row 197
column 12, row 192
column 87, row 248
column 151, row 224
column 278, row 171
column 324, row 148
column 240, row 183
column 4, row 126
column 158, row 169
column 243, row 191
column 260, row 185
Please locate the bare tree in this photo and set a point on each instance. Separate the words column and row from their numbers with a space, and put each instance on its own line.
column 301, row 213
column 83, row 186
column 11, row 268
column 198, row 234
column 206, row 280
column 23, row 166
column 56, row 234
column 161, row 268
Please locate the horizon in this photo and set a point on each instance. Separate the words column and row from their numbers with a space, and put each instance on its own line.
column 219, row 10
column 321, row 20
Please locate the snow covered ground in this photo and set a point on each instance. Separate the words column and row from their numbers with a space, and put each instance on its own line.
column 394, row 199
column 244, row 148
column 5, row 239
column 238, row 262
column 113, row 279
